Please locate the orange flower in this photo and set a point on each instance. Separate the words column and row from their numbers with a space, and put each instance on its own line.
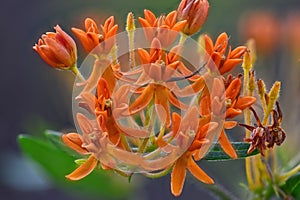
column 92, row 37
column 187, row 160
column 234, row 106
column 162, row 95
column 165, row 28
column 156, row 72
column 195, row 12
column 76, row 142
column 101, row 107
column 216, row 53
column 157, row 64
column 57, row 49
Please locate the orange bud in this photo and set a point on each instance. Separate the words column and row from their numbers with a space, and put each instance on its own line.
column 57, row 49
column 195, row 12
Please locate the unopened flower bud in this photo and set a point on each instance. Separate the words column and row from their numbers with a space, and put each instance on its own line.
column 195, row 12
column 130, row 25
column 57, row 49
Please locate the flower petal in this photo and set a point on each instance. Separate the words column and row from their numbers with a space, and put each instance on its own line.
column 178, row 174
column 233, row 89
column 174, row 101
column 198, row 173
column 84, row 124
column 230, row 124
column 226, row 145
column 74, row 141
column 84, row 169
column 176, row 120
column 142, row 101
column 162, row 105
column 244, row 102
column 232, row 112
column 229, row 64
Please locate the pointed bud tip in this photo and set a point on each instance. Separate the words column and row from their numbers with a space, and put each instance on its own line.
column 130, row 25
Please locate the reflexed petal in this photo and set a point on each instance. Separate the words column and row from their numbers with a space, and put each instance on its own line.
column 178, row 174
column 84, row 169
column 162, row 105
column 176, row 120
column 198, row 173
column 226, row 145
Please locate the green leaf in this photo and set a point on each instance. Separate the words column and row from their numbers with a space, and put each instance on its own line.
column 292, row 186
column 58, row 163
column 216, row 152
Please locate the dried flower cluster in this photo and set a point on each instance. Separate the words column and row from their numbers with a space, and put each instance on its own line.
column 163, row 113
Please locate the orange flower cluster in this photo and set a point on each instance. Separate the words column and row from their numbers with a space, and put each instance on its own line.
column 164, row 113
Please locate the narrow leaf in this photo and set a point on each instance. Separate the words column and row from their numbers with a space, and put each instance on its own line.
column 292, row 186
column 216, row 153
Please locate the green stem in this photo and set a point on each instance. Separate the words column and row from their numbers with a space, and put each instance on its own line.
column 77, row 73
column 150, row 122
column 290, row 173
column 131, row 49
column 182, row 39
column 158, row 174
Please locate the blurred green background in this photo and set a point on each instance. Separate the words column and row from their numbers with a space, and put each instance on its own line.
column 34, row 97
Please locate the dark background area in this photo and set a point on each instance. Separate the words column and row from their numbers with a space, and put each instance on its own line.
column 35, row 97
